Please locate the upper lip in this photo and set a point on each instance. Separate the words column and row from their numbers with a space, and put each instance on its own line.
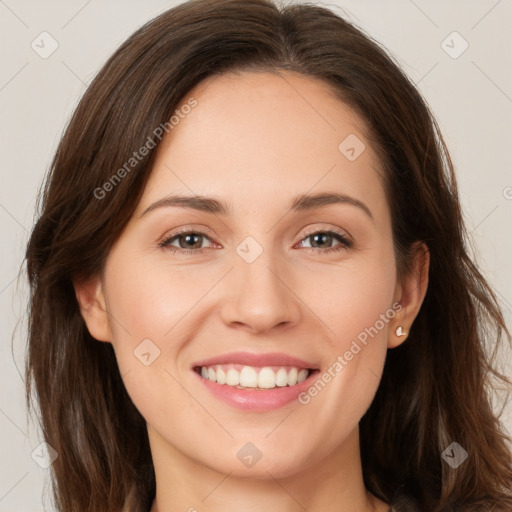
column 257, row 360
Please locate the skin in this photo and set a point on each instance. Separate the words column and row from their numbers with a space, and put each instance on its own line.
column 256, row 140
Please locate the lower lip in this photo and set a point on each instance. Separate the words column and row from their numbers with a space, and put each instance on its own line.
column 258, row 400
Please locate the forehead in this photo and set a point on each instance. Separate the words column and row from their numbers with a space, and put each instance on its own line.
column 258, row 136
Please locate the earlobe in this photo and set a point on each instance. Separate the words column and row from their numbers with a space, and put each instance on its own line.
column 91, row 301
column 410, row 292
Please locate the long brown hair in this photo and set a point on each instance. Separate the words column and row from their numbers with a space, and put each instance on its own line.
column 436, row 386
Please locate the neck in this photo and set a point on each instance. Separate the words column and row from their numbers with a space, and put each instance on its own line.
column 333, row 483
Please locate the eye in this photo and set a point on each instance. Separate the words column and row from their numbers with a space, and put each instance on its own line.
column 189, row 242
column 320, row 238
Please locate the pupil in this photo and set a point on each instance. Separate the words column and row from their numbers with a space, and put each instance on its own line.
column 320, row 235
column 188, row 238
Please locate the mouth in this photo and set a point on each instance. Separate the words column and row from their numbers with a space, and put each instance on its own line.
column 256, row 389
column 254, row 377
column 255, row 382
column 246, row 370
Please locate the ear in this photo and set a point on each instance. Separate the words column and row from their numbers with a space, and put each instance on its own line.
column 410, row 292
column 91, row 301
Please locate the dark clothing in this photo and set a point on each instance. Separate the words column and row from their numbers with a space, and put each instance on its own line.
column 404, row 503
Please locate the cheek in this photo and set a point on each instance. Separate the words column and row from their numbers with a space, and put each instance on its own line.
column 152, row 300
column 350, row 297
column 146, row 306
column 355, row 306
column 153, row 313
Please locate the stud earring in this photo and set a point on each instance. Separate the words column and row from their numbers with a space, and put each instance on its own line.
column 399, row 331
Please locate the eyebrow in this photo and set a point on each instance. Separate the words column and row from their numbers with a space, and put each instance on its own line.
column 301, row 202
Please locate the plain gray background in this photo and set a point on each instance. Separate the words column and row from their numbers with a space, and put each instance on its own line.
column 470, row 95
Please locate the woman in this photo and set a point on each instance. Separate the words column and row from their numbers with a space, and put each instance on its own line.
column 194, row 345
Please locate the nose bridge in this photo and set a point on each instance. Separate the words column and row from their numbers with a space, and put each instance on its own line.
column 261, row 298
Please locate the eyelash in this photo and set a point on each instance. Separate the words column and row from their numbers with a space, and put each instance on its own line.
column 345, row 243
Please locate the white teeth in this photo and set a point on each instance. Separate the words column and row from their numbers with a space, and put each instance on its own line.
column 267, row 378
column 221, row 376
column 281, row 378
column 303, row 375
column 249, row 377
column 292, row 377
column 232, row 377
column 212, row 374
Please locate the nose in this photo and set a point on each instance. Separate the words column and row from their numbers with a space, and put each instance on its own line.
column 260, row 296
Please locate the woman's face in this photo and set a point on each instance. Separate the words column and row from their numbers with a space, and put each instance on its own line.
column 273, row 273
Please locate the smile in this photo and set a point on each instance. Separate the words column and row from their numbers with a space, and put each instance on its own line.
column 250, row 377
